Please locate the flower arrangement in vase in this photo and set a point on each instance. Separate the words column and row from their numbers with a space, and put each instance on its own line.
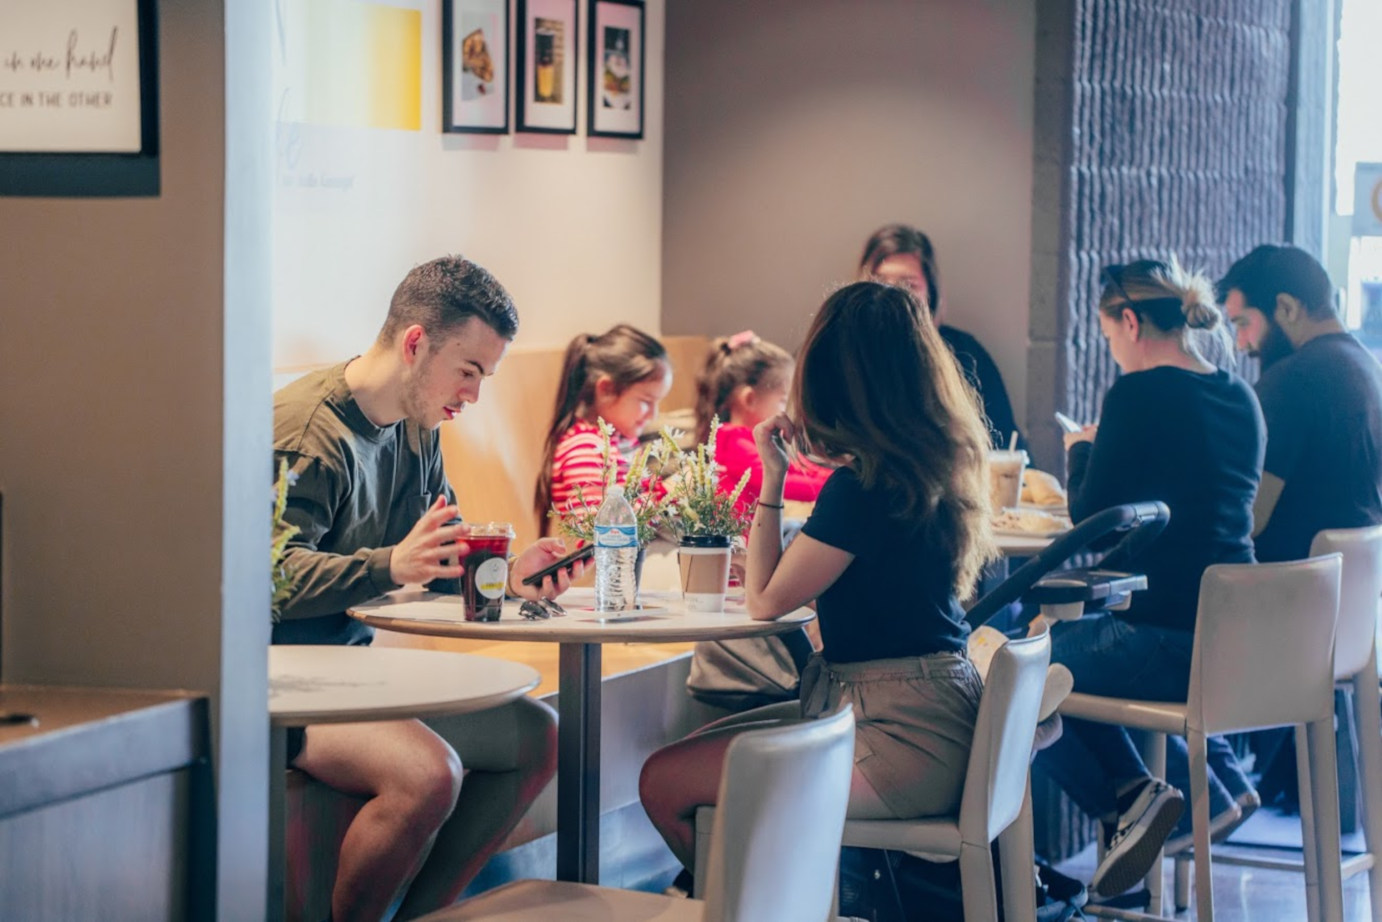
column 707, row 521
column 642, row 486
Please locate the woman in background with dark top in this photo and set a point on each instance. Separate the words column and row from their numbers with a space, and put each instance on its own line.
column 1176, row 429
column 899, row 254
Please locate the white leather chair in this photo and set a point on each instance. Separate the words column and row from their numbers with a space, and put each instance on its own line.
column 1263, row 657
column 775, row 846
column 995, row 803
column 1355, row 663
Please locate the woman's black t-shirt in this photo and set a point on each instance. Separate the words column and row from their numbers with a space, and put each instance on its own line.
column 1193, row 441
column 895, row 598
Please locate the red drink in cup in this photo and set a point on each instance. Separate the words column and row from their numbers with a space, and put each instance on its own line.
column 486, row 569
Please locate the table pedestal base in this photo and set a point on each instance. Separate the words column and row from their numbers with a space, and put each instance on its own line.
column 578, row 763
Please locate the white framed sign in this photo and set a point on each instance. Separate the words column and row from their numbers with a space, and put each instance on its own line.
column 78, row 80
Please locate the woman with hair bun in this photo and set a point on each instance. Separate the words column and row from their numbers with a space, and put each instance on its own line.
column 1175, row 429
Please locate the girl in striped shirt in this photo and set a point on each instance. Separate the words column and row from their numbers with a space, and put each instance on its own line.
column 619, row 376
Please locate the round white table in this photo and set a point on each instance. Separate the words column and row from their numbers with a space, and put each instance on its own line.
column 580, row 635
column 337, row 684
column 1011, row 544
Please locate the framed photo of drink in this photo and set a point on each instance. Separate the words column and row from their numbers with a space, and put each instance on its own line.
column 475, row 66
column 615, row 76
column 546, row 66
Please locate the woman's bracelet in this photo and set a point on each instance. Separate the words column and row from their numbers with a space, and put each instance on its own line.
column 770, row 505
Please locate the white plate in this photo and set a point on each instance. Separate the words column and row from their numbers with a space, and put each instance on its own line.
column 1017, row 533
column 1061, row 511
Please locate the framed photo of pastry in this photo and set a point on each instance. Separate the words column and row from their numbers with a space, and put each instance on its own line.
column 546, row 66
column 615, row 75
column 475, row 66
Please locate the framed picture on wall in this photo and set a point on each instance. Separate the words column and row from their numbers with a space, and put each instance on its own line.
column 615, row 74
column 475, row 66
column 547, row 55
column 79, row 98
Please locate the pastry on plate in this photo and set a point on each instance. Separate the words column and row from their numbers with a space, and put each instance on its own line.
column 1041, row 489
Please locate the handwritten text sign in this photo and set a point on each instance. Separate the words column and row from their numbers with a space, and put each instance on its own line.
column 69, row 76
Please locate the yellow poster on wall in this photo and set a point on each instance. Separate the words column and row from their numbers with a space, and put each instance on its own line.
column 350, row 64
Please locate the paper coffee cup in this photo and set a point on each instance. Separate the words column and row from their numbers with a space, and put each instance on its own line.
column 704, row 577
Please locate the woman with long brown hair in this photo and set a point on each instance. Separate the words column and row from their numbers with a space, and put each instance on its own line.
column 898, row 535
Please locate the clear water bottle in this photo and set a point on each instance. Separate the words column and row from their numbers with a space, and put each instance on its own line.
column 616, row 552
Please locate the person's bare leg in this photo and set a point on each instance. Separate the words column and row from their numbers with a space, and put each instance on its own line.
column 685, row 775
column 510, row 754
column 411, row 778
column 677, row 779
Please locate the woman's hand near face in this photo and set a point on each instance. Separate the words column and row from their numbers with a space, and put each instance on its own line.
column 1084, row 435
column 771, row 437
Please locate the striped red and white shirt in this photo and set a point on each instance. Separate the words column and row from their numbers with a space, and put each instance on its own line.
column 578, row 462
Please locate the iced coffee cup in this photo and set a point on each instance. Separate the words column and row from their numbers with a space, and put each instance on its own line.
column 1005, row 478
column 486, row 568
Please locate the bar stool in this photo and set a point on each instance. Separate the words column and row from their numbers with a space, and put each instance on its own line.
column 1355, row 663
column 994, row 805
column 1263, row 657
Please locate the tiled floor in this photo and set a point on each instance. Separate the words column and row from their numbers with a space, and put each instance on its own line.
column 1249, row 894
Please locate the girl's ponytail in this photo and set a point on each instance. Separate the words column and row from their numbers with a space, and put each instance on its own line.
column 574, row 373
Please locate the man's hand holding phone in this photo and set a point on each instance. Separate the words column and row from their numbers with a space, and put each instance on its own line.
column 545, row 570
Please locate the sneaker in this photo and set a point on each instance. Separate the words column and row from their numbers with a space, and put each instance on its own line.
column 1142, row 829
column 1221, row 826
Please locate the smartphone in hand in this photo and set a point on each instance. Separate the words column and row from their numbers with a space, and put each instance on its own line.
column 565, row 563
column 1068, row 424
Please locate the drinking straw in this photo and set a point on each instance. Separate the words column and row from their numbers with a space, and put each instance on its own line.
column 1012, row 442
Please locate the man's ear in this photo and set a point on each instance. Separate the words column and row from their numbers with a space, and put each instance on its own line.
column 1289, row 310
column 413, row 342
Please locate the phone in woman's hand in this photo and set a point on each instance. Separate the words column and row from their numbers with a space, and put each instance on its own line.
column 1068, row 424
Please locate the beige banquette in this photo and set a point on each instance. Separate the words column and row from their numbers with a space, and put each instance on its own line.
column 493, row 451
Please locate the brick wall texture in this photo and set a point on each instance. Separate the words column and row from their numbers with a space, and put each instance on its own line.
column 1179, row 129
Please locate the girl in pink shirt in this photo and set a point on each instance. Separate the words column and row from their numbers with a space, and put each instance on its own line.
column 619, row 376
column 744, row 382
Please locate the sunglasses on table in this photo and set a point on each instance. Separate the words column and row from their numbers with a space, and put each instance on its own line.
column 541, row 610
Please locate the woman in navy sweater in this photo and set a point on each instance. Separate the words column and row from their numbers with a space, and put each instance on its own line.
column 1176, row 429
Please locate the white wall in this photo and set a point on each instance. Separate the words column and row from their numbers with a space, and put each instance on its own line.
column 794, row 129
column 571, row 225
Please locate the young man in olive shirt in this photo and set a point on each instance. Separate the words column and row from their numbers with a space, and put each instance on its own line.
column 371, row 503
column 1321, row 395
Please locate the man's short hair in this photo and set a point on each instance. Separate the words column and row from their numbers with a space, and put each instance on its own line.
column 443, row 294
column 1272, row 270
